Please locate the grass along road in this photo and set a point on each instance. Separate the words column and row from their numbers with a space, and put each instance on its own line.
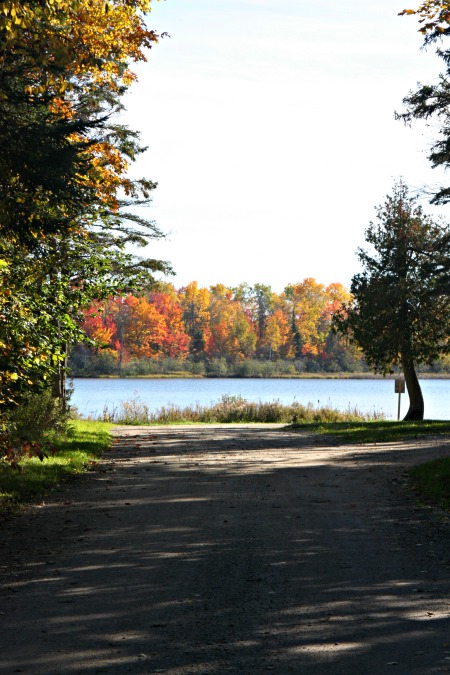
column 73, row 454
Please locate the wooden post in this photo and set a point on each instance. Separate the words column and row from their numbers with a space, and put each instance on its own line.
column 400, row 389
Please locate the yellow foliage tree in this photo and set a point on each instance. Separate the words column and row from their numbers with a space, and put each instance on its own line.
column 64, row 64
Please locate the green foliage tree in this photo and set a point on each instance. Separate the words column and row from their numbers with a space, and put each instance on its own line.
column 42, row 294
column 398, row 316
column 262, row 296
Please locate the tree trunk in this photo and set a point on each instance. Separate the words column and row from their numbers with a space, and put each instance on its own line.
column 59, row 383
column 416, row 404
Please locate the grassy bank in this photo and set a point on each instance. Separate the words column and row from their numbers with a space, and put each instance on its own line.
column 432, row 482
column 74, row 453
column 378, row 431
column 230, row 409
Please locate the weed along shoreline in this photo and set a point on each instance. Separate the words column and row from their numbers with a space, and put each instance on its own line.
column 229, row 410
column 233, row 548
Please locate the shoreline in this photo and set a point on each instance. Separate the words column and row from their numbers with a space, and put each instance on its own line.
column 299, row 376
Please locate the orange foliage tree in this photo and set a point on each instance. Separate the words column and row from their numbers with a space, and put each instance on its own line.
column 232, row 336
column 175, row 343
column 101, row 329
column 144, row 329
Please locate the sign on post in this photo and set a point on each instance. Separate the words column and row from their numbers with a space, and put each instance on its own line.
column 399, row 389
column 399, row 385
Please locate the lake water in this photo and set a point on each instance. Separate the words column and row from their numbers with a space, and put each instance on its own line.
column 91, row 396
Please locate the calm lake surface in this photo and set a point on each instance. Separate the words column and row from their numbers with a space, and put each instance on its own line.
column 91, row 396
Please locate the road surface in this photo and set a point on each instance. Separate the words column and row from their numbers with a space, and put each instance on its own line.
column 230, row 549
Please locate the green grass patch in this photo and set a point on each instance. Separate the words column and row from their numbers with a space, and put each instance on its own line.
column 377, row 431
column 432, row 481
column 83, row 444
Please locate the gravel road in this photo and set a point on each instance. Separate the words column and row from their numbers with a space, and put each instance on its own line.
column 230, row 549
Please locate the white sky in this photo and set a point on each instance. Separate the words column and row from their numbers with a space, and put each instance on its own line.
column 271, row 133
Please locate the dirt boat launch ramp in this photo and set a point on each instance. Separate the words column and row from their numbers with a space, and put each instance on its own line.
column 230, row 549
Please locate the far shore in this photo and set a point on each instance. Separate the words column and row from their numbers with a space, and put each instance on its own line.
column 300, row 376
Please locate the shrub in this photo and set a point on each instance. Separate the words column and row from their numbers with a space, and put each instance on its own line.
column 217, row 366
column 40, row 414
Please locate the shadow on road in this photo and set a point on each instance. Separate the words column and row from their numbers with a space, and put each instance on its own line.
column 237, row 550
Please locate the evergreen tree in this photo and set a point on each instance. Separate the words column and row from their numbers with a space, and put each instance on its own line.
column 398, row 316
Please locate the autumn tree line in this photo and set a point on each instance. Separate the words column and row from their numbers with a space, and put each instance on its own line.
column 220, row 328
column 247, row 331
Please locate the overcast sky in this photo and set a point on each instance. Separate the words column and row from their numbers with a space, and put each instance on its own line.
column 271, row 133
